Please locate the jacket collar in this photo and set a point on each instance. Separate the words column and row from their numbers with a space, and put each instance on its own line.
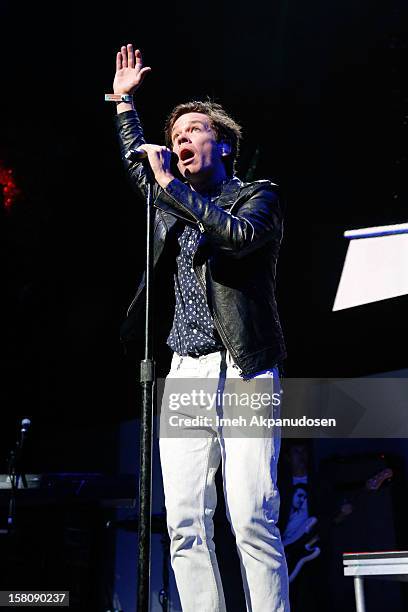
column 230, row 192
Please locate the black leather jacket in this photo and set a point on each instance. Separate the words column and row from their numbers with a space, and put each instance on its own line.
column 235, row 261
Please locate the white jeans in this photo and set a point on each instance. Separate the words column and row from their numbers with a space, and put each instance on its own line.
column 249, row 466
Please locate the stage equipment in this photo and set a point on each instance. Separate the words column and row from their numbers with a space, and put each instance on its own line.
column 392, row 565
column 376, row 266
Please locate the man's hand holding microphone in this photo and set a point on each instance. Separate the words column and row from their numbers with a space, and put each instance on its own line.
column 129, row 75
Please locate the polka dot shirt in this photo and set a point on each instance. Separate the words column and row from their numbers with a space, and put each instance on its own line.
column 193, row 332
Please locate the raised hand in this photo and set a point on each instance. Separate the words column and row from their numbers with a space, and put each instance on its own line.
column 129, row 70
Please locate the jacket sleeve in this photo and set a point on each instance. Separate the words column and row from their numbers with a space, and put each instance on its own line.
column 258, row 220
column 130, row 133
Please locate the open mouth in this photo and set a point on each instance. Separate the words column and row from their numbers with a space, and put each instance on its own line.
column 186, row 155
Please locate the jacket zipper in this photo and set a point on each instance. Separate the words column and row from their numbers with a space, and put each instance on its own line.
column 138, row 292
column 217, row 324
column 200, row 225
column 215, row 317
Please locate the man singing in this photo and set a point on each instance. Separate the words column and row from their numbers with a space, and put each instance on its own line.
column 219, row 238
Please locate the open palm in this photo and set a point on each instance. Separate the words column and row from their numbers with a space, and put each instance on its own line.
column 129, row 70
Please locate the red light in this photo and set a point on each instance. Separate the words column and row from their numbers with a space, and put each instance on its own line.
column 9, row 185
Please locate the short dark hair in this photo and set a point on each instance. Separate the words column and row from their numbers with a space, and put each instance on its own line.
column 226, row 129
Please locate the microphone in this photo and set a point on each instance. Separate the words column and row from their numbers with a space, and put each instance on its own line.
column 25, row 426
column 138, row 155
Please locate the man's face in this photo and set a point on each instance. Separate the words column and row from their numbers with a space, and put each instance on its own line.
column 194, row 141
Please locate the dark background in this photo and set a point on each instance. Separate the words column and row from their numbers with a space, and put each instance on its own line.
column 321, row 92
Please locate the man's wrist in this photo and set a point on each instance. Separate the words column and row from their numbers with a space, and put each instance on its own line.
column 164, row 178
column 123, row 101
column 122, row 107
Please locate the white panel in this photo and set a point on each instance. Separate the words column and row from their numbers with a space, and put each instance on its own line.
column 375, row 269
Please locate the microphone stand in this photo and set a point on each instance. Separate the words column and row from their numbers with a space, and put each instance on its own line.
column 147, row 379
column 14, row 474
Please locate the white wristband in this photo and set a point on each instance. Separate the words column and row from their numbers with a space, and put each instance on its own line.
column 119, row 98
